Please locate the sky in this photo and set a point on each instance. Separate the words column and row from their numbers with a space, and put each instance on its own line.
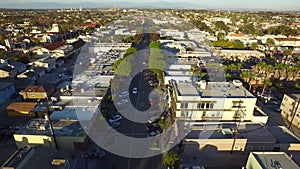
column 258, row 4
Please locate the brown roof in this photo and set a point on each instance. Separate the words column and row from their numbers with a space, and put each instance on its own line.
column 22, row 106
column 54, row 45
column 286, row 39
column 237, row 34
column 35, row 89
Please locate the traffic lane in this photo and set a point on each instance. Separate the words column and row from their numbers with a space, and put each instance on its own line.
column 140, row 100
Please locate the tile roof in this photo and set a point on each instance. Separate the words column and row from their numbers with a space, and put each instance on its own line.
column 54, row 45
column 237, row 34
column 35, row 89
column 287, row 39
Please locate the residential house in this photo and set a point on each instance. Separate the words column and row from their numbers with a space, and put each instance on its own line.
column 7, row 72
column 29, row 75
column 56, row 49
column 21, row 67
column 290, row 108
column 6, row 90
column 287, row 42
column 37, row 92
column 262, row 160
column 46, row 62
column 21, row 109
column 241, row 55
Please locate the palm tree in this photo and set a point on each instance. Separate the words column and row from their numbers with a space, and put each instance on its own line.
column 171, row 159
column 269, row 70
column 270, row 42
column 239, row 66
column 163, row 123
column 267, row 83
column 287, row 53
column 254, row 45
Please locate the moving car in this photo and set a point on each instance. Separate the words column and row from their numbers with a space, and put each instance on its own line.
column 115, row 118
column 134, row 90
column 153, row 133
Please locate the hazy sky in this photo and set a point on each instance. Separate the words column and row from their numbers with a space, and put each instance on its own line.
column 262, row 4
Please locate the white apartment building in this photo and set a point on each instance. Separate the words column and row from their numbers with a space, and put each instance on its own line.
column 213, row 101
column 289, row 106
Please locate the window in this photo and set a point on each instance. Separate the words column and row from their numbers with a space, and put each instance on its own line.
column 182, row 105
column 261, row 147
column 202, row 105
column 249, row 147
column 211, row 105
column 199, row 105
column 182, row 114
column 186, row 105
column 207, row 105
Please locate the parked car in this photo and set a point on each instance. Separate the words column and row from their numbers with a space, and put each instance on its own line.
column 153, row 133
column 123, row 101
column 134, row 90
column 123, row 94
column 115, row 124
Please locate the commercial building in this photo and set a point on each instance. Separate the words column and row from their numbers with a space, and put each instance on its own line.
column 68, row 133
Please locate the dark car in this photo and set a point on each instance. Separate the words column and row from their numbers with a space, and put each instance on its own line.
column 152, row 127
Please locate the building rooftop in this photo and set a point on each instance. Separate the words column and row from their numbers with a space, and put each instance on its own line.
column 54, row 45
column 7, row 68
column 68, row 128
column 294, row 96
column 254, row 133
column 39, row 157
column 35, row 89
column 274, row 160
column 22, row 106
column 62, row 128
column 213, row 89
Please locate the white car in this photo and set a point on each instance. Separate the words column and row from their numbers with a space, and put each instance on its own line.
column 123, row 94
column 123, row 101
column 134, row 90
column 117, row 117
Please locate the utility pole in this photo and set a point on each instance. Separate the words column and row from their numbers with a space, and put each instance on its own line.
column 51, row 127
column 294, row 114
column 236, row 132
